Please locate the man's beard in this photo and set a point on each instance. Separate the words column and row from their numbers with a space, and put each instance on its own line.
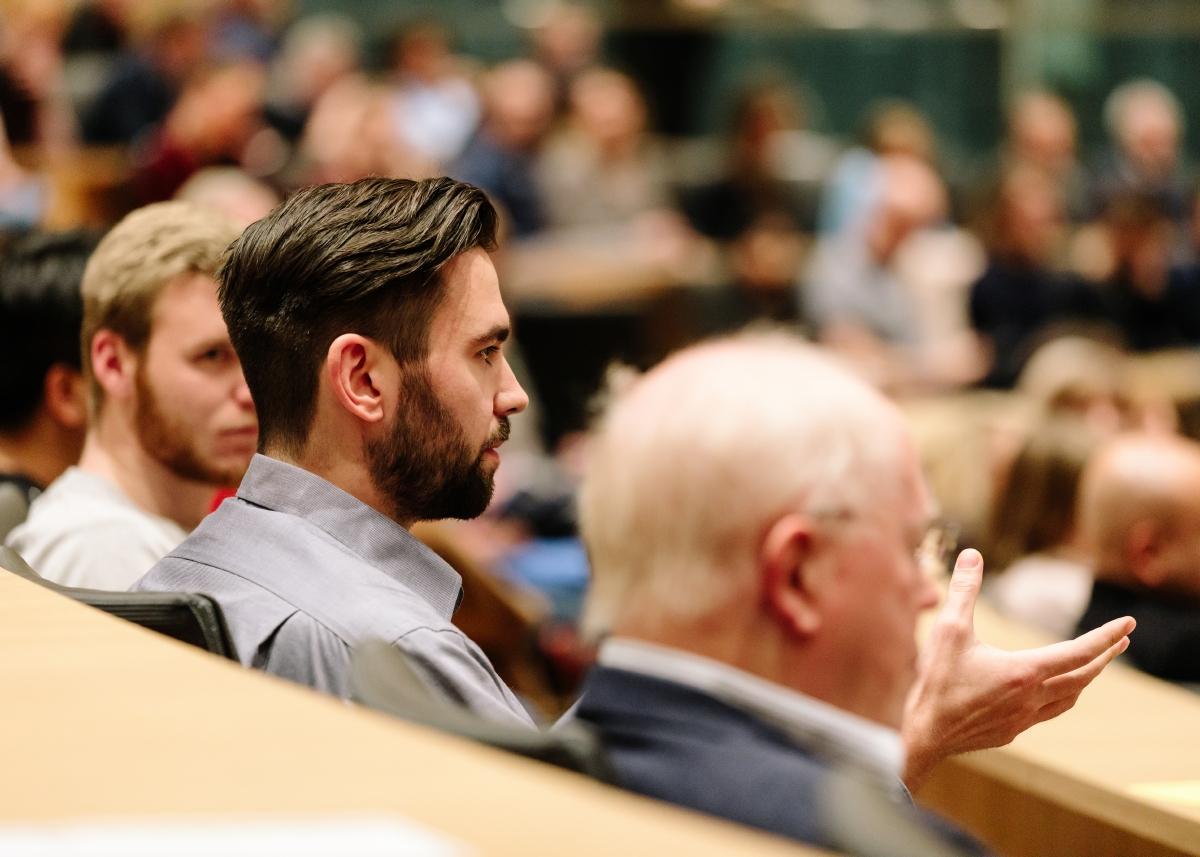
column 424, row 467
column 170, row 441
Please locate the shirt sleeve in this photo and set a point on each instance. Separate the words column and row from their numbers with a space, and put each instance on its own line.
column 455, row 668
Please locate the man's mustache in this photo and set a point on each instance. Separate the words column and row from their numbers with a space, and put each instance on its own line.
column 500, row 435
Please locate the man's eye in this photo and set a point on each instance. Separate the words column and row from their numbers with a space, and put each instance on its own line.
column 212, row 355
column 488, row 353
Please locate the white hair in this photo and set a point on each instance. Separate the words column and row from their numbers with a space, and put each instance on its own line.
column 694, row 460
column 1121, row 101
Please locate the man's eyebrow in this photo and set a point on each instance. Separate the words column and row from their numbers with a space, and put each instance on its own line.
column 210, row 344
column 499, row 333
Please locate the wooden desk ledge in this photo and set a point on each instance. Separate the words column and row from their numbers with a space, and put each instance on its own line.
column 83, row 689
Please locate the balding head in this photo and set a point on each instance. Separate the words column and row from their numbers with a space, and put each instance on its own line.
column 695, row 460
column 1146, row 121
column 1140, row 512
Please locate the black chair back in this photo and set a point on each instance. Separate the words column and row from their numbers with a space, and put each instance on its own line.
column 187, row 616
column 382, row 678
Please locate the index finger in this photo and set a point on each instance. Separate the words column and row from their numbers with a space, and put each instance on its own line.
column 1068, row 655
column 964, row 587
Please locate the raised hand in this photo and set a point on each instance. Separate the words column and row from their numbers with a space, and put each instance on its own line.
column 971, row 696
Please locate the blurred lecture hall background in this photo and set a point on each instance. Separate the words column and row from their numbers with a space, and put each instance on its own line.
column 988, row 209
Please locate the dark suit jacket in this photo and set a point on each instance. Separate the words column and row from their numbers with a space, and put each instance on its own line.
column 671, row 742
column 1167, row 641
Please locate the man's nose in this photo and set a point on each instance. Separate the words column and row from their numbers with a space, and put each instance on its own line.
column 512, row 398
column 241, row 394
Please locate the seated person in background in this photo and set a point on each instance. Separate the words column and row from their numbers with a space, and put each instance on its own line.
column 1044, row 579
column 1021, row 292
column 1140, row 520
column 1150, row 302
column 42, row 409
column 886, row 292
column 369, row 324
column 1145, row 123
column 501, row 157
column 171, row 418
column 756, row 558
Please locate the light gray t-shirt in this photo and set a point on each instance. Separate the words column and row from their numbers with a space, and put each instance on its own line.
column 304, row 572
column 84, row 531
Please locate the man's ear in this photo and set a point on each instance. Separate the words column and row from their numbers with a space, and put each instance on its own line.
column 361, row 376
column 785, row 565
column 114, row 364
column 63, row 394
column 1144, row 546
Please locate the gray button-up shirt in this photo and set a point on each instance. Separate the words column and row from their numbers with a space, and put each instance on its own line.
column 304, row 572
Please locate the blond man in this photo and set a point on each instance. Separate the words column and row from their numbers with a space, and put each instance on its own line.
column 171, row 418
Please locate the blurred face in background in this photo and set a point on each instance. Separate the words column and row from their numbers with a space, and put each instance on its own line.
column 193, row 411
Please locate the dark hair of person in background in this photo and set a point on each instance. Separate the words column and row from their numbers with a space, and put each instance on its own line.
column 40, row 314
column 1035, row 506
column 363, row 257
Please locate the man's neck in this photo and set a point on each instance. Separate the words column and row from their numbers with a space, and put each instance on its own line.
column 727, row 638
column 750, row 642
column 118, row 457
column 350, row 476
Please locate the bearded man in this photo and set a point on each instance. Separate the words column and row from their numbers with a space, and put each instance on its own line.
column 171, row 419
column 370, row 327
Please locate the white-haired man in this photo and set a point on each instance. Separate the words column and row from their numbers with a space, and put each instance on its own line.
column 1145, row 124
column 753, row 513
column 171, row 417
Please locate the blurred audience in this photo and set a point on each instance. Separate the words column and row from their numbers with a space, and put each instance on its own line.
column 1148, row 301
column 565, row 43
column 753, row 186
column 1024, row 290
column 1140, row 524
column 43, row 412
column 855, row 181
column 603, row 168
column 171, row 418
column 349, row 135
column 34, row 93
column 145, row 83
column 1042, row 137
column 501, row 157
column 1042, row 576
column 1145, row 126
column 316, row 53
column 1081, row 377
column 247, row 29
column 213, row 122
column 230, row 192
column 877, row 292
column 433, row 103
column 24, row 195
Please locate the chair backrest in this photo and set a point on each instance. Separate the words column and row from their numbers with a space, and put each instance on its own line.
column 14, row 506
column 382, row 678
column 187, row 616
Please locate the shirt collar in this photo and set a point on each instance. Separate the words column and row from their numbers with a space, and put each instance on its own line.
column 837, row 735
column 375, row 538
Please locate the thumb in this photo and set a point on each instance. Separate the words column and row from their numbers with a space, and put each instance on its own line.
column 964, row 588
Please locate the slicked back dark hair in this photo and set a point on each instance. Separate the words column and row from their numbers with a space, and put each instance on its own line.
column 363, row 258
column 41, row 310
